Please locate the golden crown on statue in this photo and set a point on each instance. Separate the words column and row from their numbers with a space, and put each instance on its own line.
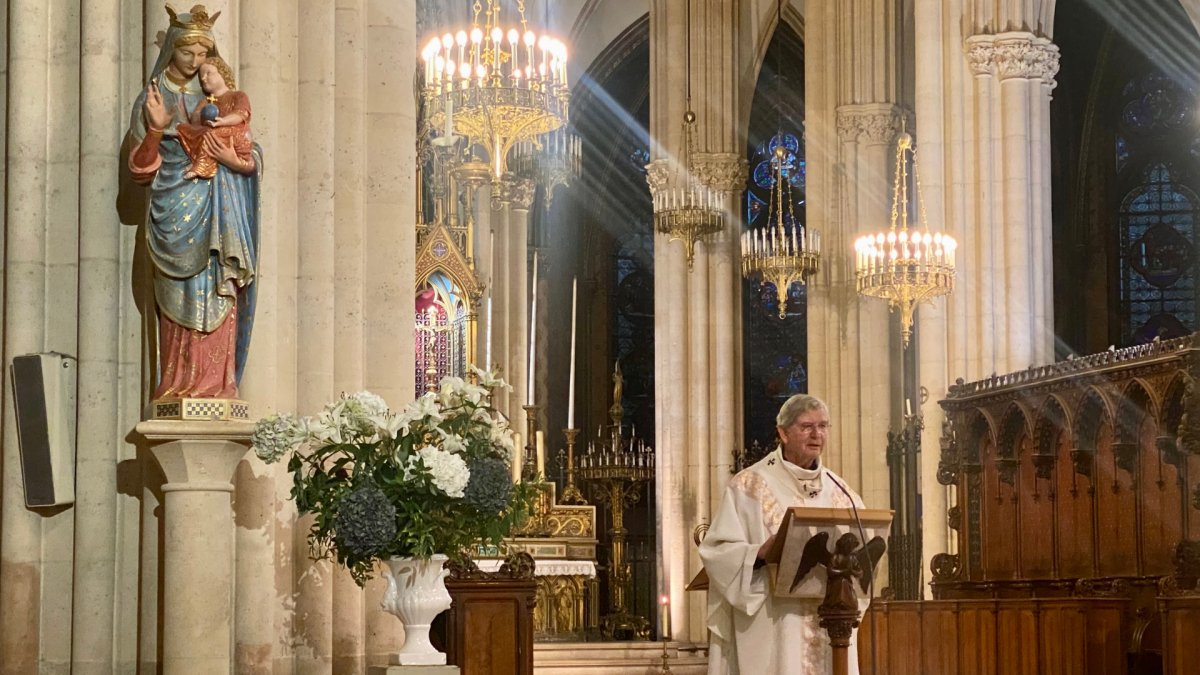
column 198, row 19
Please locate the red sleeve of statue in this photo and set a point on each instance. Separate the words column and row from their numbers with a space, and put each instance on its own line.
column 240, row 103
column 144, row 160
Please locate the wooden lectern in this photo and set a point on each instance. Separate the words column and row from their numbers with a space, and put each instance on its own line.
column 819, row 553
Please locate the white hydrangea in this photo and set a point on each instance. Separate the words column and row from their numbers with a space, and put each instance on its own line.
column 448, row 471
column 366, row 404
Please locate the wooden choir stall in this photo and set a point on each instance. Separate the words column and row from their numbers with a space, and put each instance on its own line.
column 1075, row 492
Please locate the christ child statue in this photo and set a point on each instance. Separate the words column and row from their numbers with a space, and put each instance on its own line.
column 224, row 120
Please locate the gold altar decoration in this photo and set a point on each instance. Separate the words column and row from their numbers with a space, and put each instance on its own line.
column 900, row 266
column 784, row 252
column 571, row 493
column 559, row 534
column 499, row 83
column 615, row 468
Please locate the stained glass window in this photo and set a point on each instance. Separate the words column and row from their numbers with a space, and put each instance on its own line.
column 1156, row 144
column 442, row 325
column 1158, row 238
column 633, row 309
column 774, row 349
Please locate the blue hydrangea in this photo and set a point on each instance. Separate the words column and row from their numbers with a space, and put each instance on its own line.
column 489, row 486
column 365, row 523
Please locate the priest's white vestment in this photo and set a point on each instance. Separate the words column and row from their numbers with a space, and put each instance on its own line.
column 751, row 631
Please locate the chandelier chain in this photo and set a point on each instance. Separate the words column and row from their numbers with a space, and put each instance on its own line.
column 920, row 197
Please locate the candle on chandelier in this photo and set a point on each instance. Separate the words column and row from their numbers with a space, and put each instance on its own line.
column 571, row 377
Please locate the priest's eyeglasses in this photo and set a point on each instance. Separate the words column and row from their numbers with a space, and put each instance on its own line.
column 810, row 427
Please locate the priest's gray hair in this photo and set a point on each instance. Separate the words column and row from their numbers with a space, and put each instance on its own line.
column 796, row 406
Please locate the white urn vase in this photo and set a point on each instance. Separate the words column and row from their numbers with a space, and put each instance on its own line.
column 416, row 593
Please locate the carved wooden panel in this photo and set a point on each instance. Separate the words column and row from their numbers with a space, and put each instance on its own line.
column 1008, row 637
column 1180, row 634
column 1035, row 512
column 1074, row 508
column 488, row 629
column 1000, row 538
column 1116, row 511
column 1163, row 505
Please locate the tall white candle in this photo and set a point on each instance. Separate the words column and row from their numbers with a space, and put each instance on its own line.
column 491, row 270
column 517, row 458
column 487, row 363
column 532, row 333
column 571, row 378
column 541, row 452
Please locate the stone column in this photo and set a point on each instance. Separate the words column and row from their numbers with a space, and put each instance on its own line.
column 316, row 303
column 1023, row 66
column 264, row 516
column 853, row 354
column 349, row 180
column 983, row 84
column 388, row 141
column 100, row 443
column 497, row 207
column 698, row 363
column 40, row 289
column 198, row 460
column 520, row 194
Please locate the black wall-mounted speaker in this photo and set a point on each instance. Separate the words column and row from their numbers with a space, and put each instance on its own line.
column 44, row 395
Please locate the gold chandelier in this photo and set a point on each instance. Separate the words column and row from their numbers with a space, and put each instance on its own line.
column 685, row 209
column 783, row 252
column 497, row 83
column 551, row 160
column 900, row 266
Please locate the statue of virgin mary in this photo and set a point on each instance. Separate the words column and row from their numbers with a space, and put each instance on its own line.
column 202, row 233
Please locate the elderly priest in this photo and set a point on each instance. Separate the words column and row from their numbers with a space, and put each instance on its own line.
column 752, row 632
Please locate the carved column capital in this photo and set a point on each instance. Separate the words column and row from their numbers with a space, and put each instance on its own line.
column 980, row 51
column 1014, row 55
column 872, row 123
column 724, row 171
column 658, row 175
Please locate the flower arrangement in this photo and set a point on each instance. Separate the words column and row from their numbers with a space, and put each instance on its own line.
column 435, row 478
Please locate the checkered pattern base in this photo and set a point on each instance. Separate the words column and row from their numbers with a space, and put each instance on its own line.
column 201, row 409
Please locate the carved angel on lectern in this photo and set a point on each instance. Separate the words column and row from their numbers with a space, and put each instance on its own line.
column 848, row 562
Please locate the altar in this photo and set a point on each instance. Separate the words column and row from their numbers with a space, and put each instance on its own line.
column 561, row 538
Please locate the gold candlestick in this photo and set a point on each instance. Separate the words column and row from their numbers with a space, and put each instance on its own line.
column 530, row 470
column 571, row 493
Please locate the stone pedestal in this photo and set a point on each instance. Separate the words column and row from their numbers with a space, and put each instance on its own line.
column 198, row 460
